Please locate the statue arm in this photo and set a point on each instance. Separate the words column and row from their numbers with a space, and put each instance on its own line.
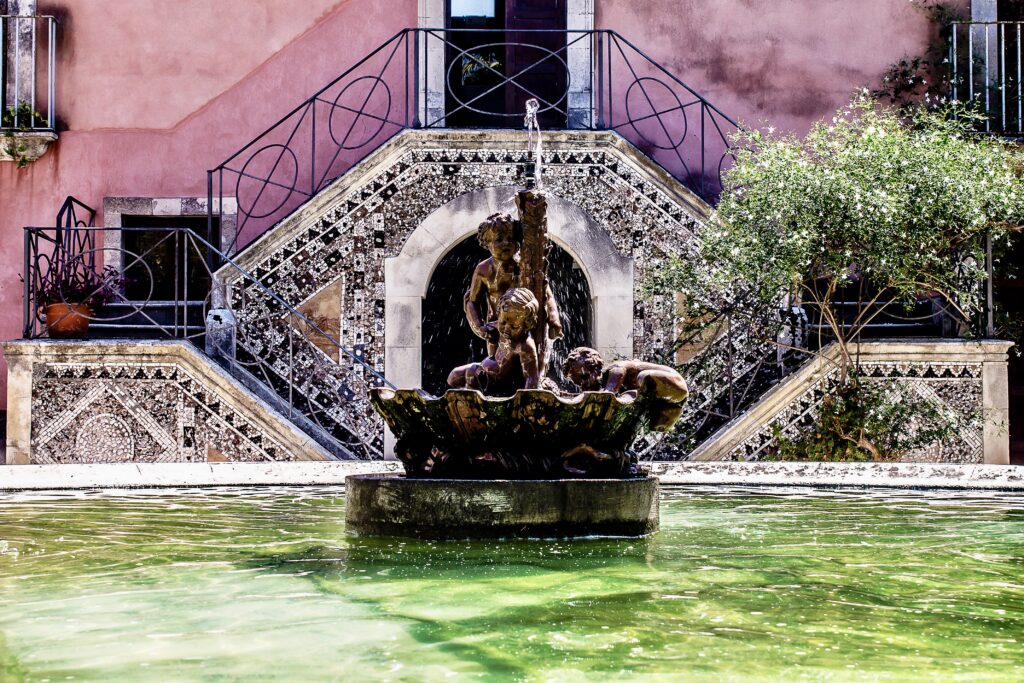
column 477, row 289
column 553, row 315
column 530, row 363
column 614, row 378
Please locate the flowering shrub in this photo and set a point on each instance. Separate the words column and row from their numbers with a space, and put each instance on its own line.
column 891, row 205
column 871, row 421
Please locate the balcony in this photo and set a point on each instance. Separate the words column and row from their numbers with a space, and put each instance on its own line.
column 986, row 68
column 27, row 65
column 437, row 78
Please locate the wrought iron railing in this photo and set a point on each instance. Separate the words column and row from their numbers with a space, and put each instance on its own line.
column 418, row 79
column 985, row 68
column 28, row 54
column 302, row 353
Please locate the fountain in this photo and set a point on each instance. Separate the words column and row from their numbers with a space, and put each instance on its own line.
column 506, row 451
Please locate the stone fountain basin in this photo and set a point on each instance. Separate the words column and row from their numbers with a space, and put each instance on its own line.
column 531, row 420
column 497, row 467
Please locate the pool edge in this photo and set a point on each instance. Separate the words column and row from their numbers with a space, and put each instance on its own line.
column 821, row 474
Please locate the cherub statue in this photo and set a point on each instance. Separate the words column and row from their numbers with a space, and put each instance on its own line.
column 514, row 363
column 494, row 276
column 585, row 368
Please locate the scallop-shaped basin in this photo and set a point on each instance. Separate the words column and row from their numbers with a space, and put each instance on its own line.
column 532, row 420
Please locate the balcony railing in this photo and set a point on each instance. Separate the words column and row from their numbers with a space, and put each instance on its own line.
column 27, row 66
column 436, row 78
column 985, row 68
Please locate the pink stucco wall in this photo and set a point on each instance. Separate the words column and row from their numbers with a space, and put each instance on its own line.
column 785, row 63
column 153, row 93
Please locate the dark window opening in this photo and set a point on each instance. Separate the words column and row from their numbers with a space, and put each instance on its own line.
column 1011, row 10
column 174, row 264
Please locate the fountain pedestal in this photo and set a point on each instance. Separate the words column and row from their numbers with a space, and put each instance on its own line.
column 394, row 505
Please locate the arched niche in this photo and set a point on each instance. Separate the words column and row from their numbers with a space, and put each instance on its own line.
column 407, row 275
column 448, row 341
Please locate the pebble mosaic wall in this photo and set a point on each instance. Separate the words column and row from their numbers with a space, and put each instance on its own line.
column 144, row 412
column 371, row 222
column 955, row 387
column 339, row 255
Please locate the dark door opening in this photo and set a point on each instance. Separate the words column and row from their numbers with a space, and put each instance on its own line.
column 173, row 264
column 489, row 43
column 447, row 340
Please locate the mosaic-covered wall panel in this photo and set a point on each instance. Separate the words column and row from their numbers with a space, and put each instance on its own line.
column 142, row 412
column 955, row 387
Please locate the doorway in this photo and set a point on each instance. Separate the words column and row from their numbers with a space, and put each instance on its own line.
column 489, row 41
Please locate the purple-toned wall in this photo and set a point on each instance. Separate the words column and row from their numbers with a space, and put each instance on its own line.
column 784, row 63
column 153, row 93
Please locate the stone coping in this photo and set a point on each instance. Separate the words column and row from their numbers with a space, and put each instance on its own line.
column 821, row 474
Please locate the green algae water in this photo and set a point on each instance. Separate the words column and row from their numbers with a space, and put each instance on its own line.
column 264, row 585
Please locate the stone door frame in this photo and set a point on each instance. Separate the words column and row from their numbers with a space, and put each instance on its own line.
column 579, row 17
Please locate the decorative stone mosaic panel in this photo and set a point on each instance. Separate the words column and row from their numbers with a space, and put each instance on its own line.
column 371, row 222
column 955, row 387
column 145, row 412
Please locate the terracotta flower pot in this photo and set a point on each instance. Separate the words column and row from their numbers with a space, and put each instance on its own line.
column 67, row 321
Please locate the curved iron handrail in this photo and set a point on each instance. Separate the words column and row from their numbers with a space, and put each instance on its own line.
column 37, row 257
column 396, row 87
column 303, row 338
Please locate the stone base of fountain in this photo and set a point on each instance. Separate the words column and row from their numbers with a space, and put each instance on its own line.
column 395, row 505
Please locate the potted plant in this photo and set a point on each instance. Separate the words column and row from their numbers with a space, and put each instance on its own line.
column 72, row 293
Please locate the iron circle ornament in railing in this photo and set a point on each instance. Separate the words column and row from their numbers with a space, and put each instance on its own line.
column 360, row 113
column 286, row 188
column 507, row 80
column 655, row 116
column 729, row 155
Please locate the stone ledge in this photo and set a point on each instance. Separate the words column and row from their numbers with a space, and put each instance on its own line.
column 32, row 144
column 819, row 474
column 842, row 475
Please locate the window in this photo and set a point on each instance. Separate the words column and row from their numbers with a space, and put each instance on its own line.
column 473, row 8
column 1011, row 10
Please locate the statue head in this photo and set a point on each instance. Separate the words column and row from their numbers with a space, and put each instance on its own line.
column 500, row 236
column 517, row 313
column 584, row 366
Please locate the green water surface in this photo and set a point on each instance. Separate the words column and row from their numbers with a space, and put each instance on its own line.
column 263, row 584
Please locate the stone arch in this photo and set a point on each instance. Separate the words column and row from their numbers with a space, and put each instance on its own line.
column 407, row 275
